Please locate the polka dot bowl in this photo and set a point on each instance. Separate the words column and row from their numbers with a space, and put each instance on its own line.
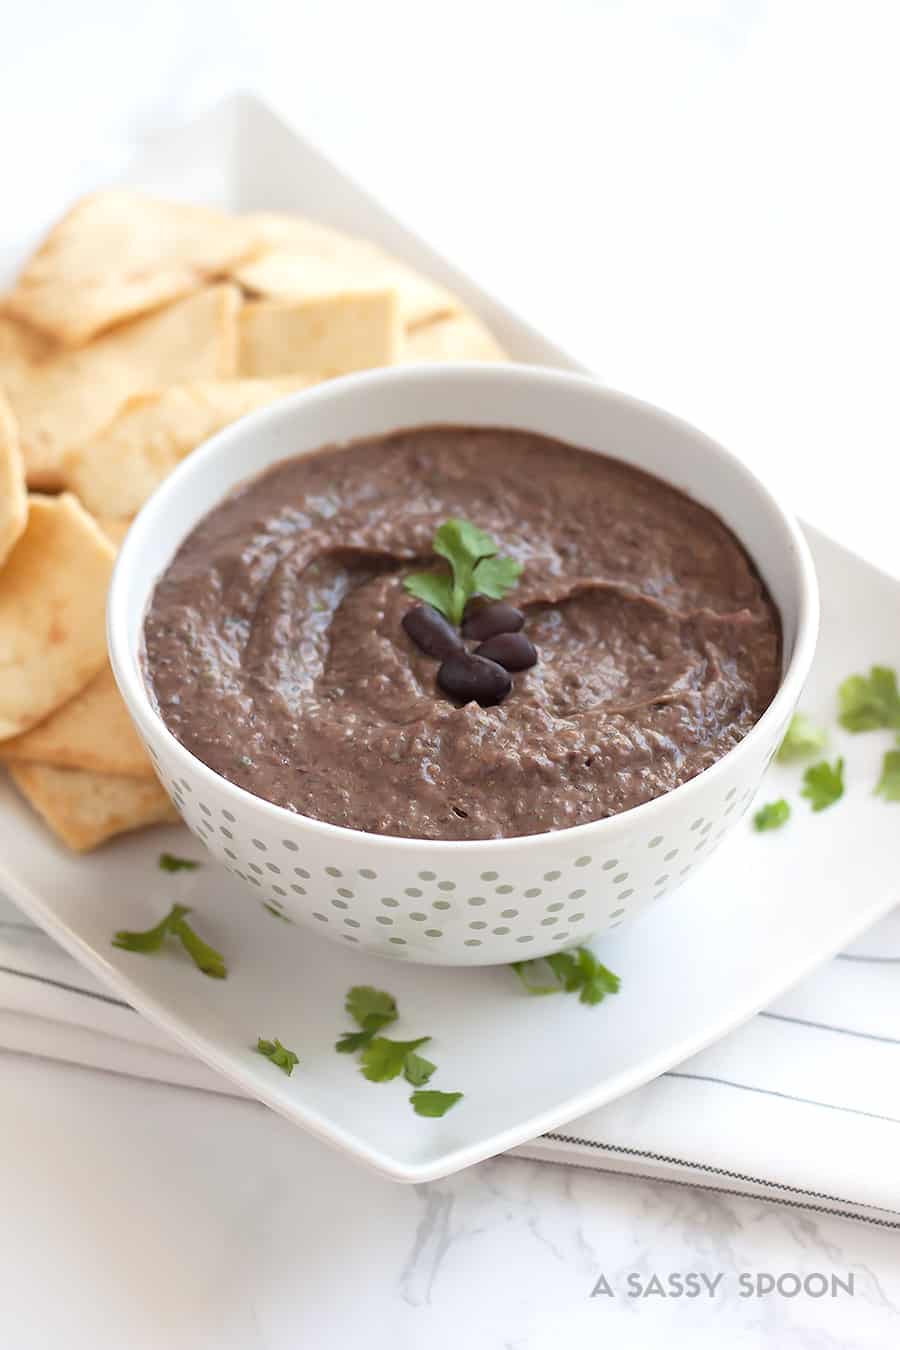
column 490, row 901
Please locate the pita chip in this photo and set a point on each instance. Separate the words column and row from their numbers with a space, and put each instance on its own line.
column 68, row 398
column 285, row 274
column 459, row 338
column 13, row 497
column 302, row 234
column 118, row 254
column 84, row 809
column 20, row 348
column 332, row 335
column 52, row 611
column 92, row 731
column 115, row 528
column 304, row 257
column 116, row 471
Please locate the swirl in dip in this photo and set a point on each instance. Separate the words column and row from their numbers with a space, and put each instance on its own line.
column 276, row 654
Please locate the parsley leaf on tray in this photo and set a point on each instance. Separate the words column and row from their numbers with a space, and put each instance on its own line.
column 170, row 862
column 802, row 740
column 576, row 971
column 351, row 1041
column 384, row 1059
column 417, row 1070
column 869, row 702
column 152, row 939
column 362, row 1001
column 280, row 1056
column 772, row 816
column 204, row 957
column 434, row 1104
column 823, row 784
column 889, row 782
column 525, row 970
column 475, row 569
column 372, row 1009
column 175, row 925
column 581, row 973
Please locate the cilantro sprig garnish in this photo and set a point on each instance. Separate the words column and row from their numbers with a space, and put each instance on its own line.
column 870, row 702
column 170, row 862
column 823, row 784
column 476, row 568
column 576, row 971
column 175, row 925
column 772, row 816
column 279, row 1054
column 802, row 740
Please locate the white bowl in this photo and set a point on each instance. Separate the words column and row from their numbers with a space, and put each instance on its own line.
column 479, row 902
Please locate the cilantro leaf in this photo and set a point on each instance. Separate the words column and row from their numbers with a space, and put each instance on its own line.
column 867, row 702
column 596, row 980
column 566, row 969
column 522, row 969
column 170, row 862
column 772, row 816
column 285, row 1059
column 889, row 782
column 434, row 1104
column 493, row 577
column 434, row 588
column 362, row 1001
column 152, row 939
column 474, row 565
column 204, row 957
column 462, row 543
column 351, row 1041
column 383, row 1059
column 577, row 971
column 417, row 1070
column 823, row 784
column 801, row 740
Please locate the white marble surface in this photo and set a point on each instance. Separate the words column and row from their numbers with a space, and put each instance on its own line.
column 146, row 1216
column 700, row 199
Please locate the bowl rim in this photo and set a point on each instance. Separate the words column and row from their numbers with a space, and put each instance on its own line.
column 135, row 694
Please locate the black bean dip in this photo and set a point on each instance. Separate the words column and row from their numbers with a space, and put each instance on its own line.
column 276, row 652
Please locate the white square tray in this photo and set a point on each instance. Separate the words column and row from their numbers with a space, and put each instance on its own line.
column 764, row 910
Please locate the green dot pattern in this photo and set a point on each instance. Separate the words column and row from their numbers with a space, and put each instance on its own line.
column 572, row 896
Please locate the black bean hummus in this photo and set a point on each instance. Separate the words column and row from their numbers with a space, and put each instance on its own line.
column 276, row 649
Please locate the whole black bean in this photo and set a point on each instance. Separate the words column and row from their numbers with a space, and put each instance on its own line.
column 467, row 678
column 431, row 632
column 482, row 620
column 512, row 651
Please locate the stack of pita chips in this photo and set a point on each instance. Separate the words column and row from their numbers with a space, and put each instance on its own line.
column 138, row 330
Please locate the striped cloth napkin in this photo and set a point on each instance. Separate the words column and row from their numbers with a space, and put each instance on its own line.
column 801, row 1105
